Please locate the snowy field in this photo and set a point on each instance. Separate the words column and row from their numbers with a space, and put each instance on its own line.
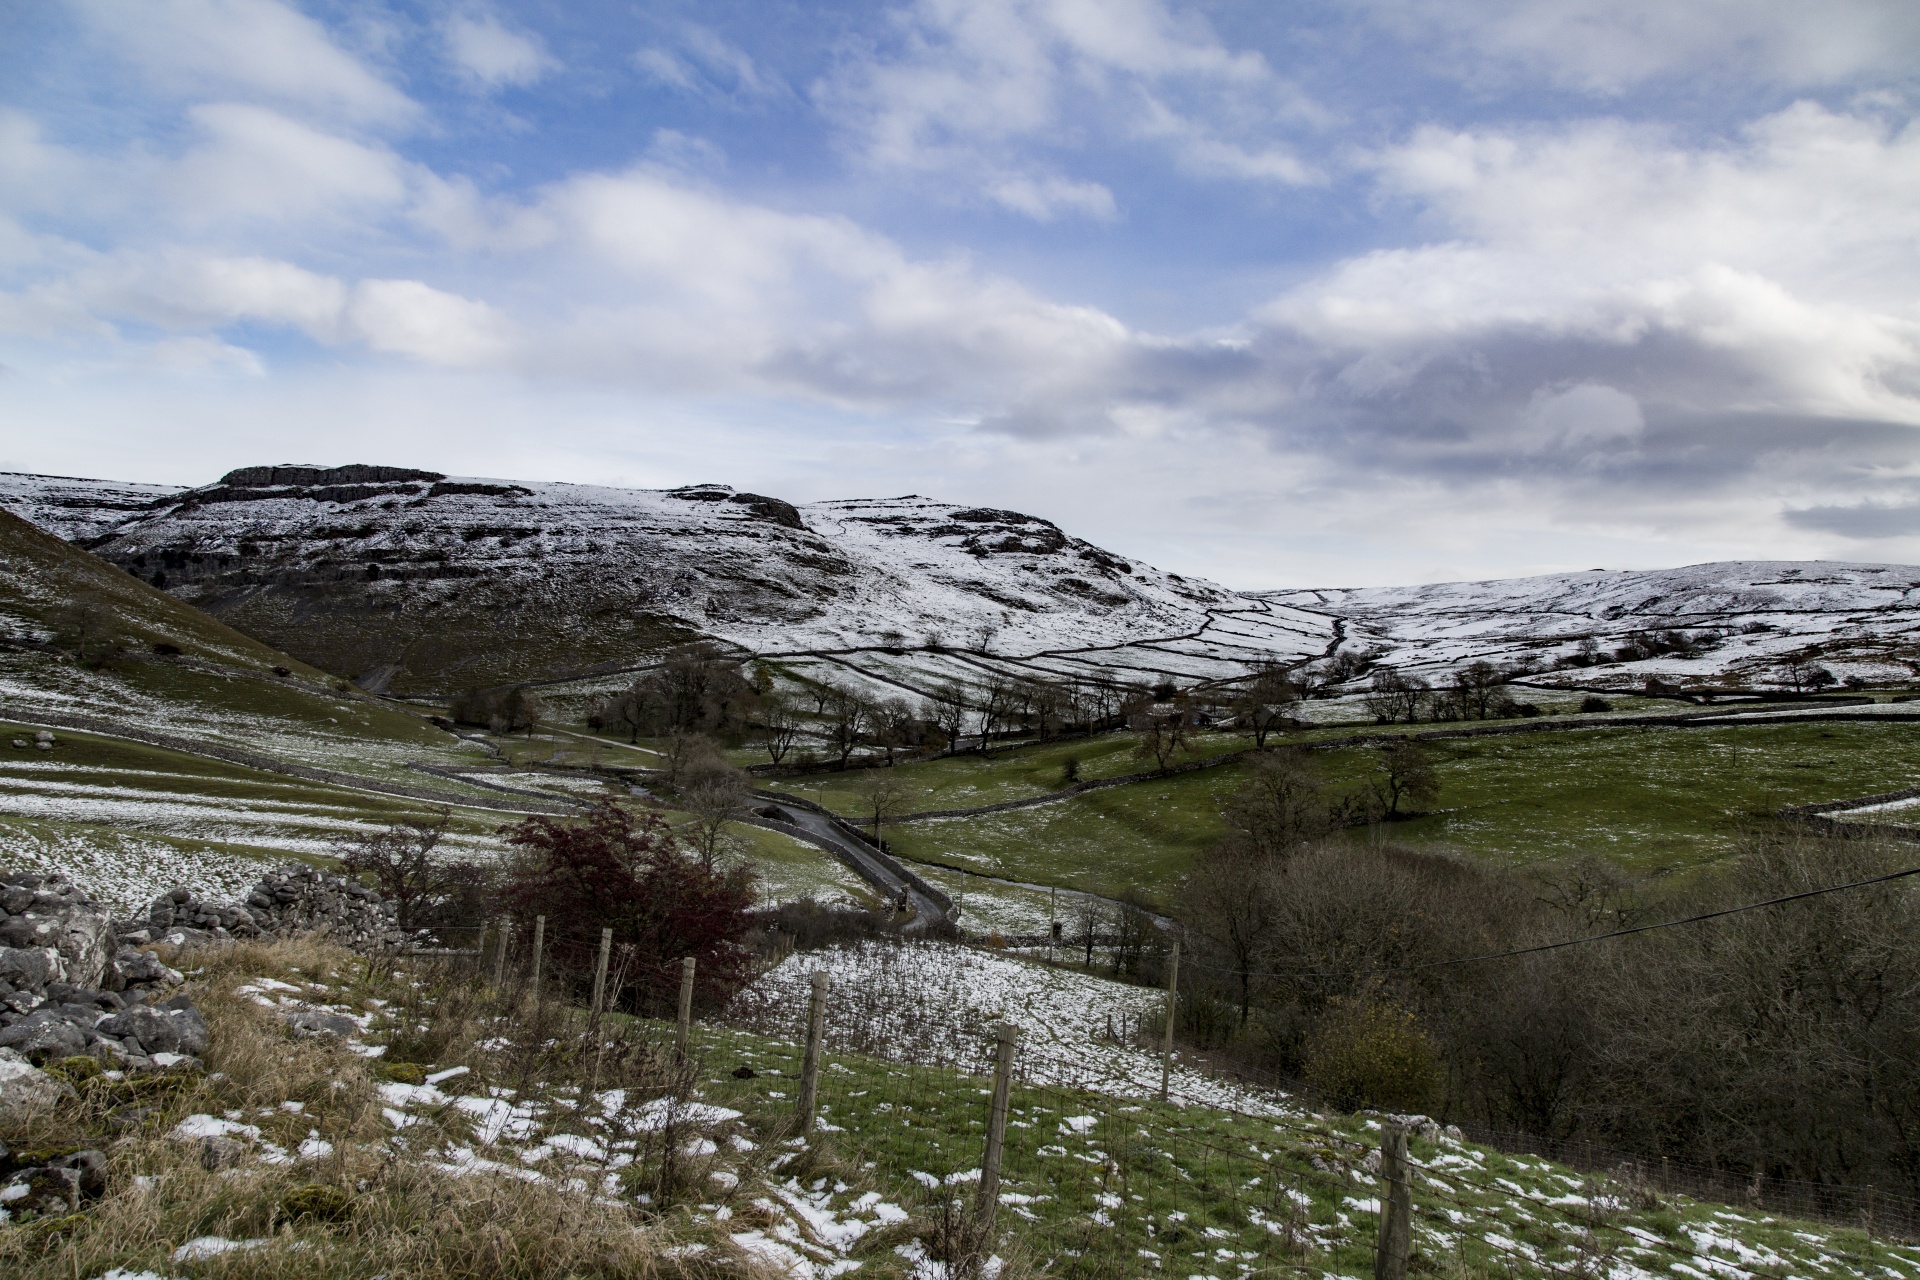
column 937, row 1003
column 124, row 871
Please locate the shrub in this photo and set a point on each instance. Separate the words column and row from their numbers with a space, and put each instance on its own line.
column 1367, row 1052
column 613, row 870
column 1593, row 702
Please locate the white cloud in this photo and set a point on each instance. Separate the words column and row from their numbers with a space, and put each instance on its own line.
column 972, row 88
column 492, row 55
column 700, row 60
column 409, row 318
column 1044, row 199
column 1609, row 46
column 259, row 164
column 259, row 48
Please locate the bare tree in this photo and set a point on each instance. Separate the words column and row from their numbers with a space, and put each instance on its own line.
column 948, row 706
column 1231, row 899
column 1404, row 774
column 401, row 859
column 779, row 726
column 1280, row 807
column 87, row 628
column 1805, row 675
column 1161, row 730
column 714, row 796
column 1479, row 688
column 1393, row 697
column 1089, row 913
column 845, row 720
column 995, row 705
column 883, row 795
column 1266, row 701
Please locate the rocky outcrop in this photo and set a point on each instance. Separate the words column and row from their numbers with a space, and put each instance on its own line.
column 72, row 984
column 295, row 898
column 50, row 913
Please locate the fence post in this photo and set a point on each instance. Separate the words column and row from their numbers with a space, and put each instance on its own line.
column 600, row 969
column 810, row 1064
column 989, row 1201
column 539, row 944
column 685, row 1029
column 1396, row 1206
column 500, row 954
column 1173, row 995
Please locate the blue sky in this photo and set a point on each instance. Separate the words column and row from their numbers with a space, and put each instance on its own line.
column 1281, row 294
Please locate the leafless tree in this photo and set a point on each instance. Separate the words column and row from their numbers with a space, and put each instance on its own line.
column 1266, row 701
column 844, row 722
column 714, row 795
column 1479, row 689
column 1160, row 730
column 1280, row 807
column 1232, row 899
column 883, row 796
column 402, row 861
column 1393, row 697
column 1088, row 915
column 779, row 726
column 1404, row 774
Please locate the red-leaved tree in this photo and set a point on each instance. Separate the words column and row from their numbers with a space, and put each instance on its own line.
column 613, row 870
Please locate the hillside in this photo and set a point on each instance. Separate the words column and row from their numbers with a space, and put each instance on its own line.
column 162, row 790
column 1855, row 619
column 412, row 581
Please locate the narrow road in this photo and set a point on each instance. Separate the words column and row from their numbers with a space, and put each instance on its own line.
column 819, row 829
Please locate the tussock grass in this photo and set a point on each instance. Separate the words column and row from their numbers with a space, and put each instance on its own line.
column 376, row 1202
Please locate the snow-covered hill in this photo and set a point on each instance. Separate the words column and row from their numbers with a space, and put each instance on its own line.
column 1744, row 618
column 414, row 580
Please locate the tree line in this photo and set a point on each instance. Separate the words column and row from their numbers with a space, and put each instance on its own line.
column 1782, row 1042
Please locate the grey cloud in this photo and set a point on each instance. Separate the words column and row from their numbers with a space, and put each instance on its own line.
column 1864, row 521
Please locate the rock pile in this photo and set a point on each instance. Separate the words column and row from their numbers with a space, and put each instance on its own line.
column 73, row 983
column 295, row 898
column 50, row 913
column 64, row 994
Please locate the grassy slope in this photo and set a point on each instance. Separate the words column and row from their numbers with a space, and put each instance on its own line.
column 1142, row 1187
column 1093, row 1185
column 1653, row 799
column 136, row 817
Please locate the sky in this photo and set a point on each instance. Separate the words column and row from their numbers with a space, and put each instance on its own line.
column 1278, row 294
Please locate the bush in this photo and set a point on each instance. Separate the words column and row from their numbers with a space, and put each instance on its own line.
column 1593, row 702
column 1369, row 1053
column 613, row 870
column 808, row 925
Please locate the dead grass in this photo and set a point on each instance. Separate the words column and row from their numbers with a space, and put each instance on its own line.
column 376, row 1204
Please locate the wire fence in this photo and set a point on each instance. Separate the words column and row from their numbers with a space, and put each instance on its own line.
column 1098, row 1176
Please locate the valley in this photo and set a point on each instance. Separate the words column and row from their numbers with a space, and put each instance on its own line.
column 196, row 684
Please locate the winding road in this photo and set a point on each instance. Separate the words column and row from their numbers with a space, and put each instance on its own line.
column 876, row 869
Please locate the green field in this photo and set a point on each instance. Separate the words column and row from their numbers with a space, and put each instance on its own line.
column 1099, row 1186
column 1653, row 799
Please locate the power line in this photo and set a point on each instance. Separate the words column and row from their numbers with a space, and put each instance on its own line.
column 1570, row 942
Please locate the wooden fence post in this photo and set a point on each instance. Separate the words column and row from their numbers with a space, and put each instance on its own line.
column 539, row 945
column 600, row 969
column 810, row 1064
column 500, row 954
column 1396, row 1206
column 685, row 1029
column 989, row 1199
column 1173, row 997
